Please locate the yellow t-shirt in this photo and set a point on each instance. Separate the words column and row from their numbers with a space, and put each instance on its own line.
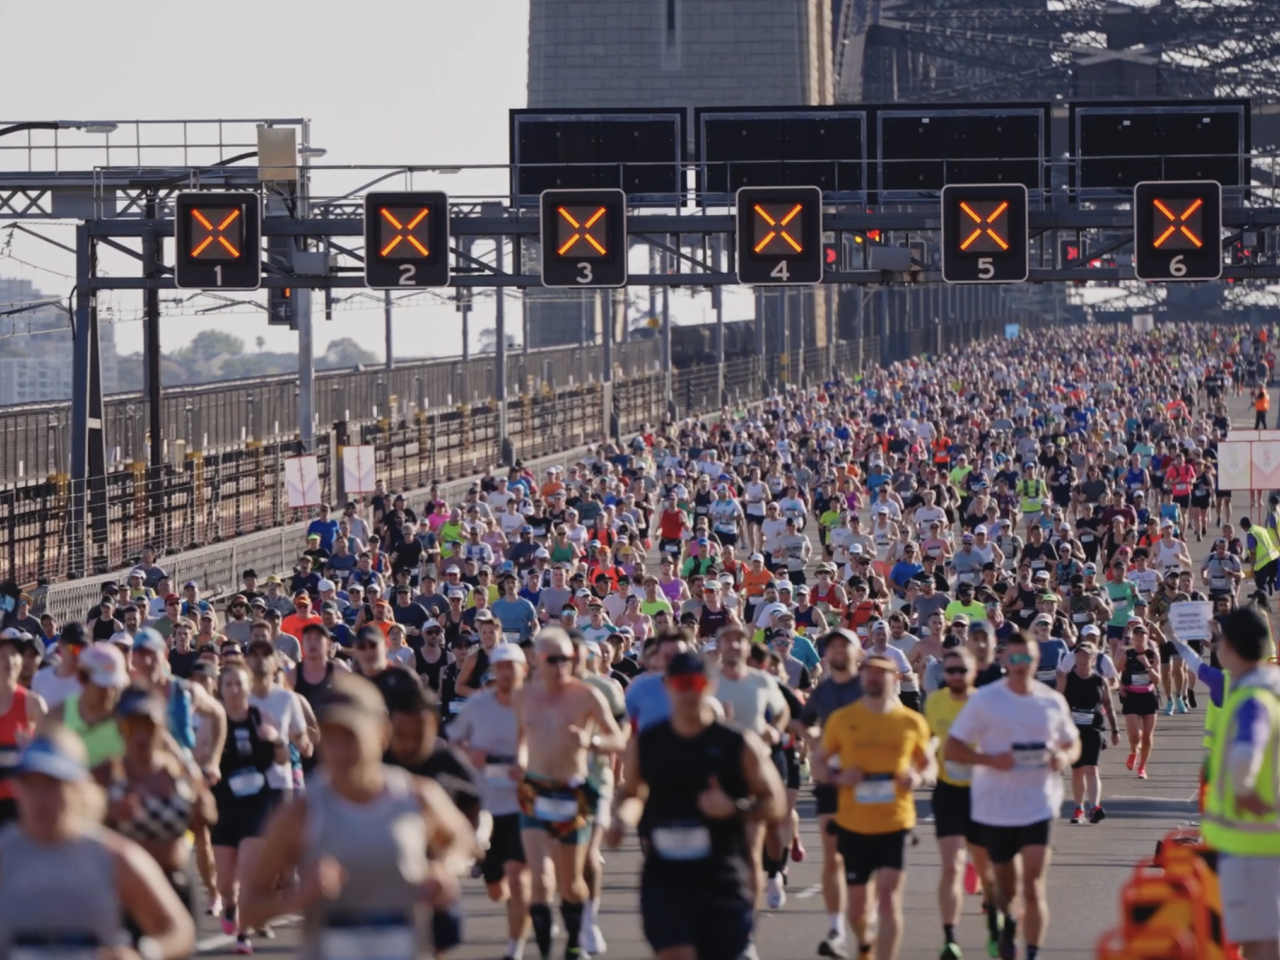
column 941, row 710
column 881, row 746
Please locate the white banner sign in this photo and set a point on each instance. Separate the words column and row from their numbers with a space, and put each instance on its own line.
column 1235, row 465
column 358, row 469
column 302, row 481
column 1189, row 620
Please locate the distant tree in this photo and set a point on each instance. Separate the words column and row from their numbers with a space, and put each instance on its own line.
column 346, row 353
column 208, row 344
column 260, row 343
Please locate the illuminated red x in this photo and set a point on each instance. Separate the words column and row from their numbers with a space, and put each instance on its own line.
column 404, row 231
column 579, row 228
column 776, row 228
column 1178, row 225
column 215, row 233
column 985, row 225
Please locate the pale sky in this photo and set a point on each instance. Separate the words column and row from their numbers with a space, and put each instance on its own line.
column 385, row 82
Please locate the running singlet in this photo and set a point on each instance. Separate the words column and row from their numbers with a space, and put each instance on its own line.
column 12, row 724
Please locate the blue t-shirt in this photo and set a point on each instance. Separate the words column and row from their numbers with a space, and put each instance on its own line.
column 516, row 616
column 326, row 530
column 647, row 701
column 802, row 649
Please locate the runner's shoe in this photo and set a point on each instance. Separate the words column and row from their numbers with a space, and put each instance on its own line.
column 833, row 946
column 592, row 939
column 1168, row 707
column 1142, row 773
column 1133, row 758
column 215, row 906
column 1180, row 705
column 972, row 884
column 775, row 897
column 1098, row 815
column 951, row 951
column 1191, row 698
column 244, row 946
column 1078, row 815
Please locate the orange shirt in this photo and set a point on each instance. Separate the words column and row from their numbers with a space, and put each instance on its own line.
column 755, row 582
column 293, row 624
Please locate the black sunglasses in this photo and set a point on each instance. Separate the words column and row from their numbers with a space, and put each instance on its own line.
column 555, row 659
column 955, row 670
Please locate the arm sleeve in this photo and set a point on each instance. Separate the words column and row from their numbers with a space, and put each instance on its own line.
column 1215, row 680
column 1252, row 733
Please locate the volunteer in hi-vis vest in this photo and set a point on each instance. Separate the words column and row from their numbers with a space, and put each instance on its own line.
column 1264, row 551
column 1242, row 805
column 1031, row 492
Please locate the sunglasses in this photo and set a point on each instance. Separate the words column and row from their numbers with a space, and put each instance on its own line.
column 1020, row 660
column 688, row 682
column 555, row 659
column 366, row 646
column 956, row 671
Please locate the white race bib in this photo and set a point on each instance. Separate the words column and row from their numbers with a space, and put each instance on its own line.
column 883, row 790
column 1030, row 756
column 455, row 707
column 691, row 842
column 246, row 783
column 555, row 809
column 1080, row 617
column 368, row 943
column 957, row 771
column 1139, row 679
column 1082, row 718
column 500, row 772
column 1049, row 676
column 511, row 636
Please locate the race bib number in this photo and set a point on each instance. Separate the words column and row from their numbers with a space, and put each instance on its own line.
column 1140, row 680
column 511, row 636
column 246, row 783
column 877, row 788
column 689, row 842
column 1080, row 618
column 1218, row 583
column 1082, row 718
column 1030, row 756
column 369, row 942
column 957, row 771
column 1047, row 676
column 455, row 707
column 555, row 809
column 500, row 772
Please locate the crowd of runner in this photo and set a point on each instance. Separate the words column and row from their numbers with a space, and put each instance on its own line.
column 954, row 573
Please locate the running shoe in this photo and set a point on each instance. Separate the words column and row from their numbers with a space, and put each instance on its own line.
column 1009, row 942
column 993, row 939
column 972, row 884
column 798, row 851
column 592, row 939
column 1179, row 705
column 1098, row 815
column 215, row 906
column 1168, row 707
column 775, row 896
column 1142, row 773
column 1191, row 698
column 833, row 946
column 951, row 951
column 1128, row 764
column 229, row 921
column 1078, row 815
column 244, row 946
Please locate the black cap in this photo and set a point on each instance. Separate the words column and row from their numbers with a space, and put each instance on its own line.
column 248, row 573
column 369, row 633
column 74, row 633
column 685, row 663
column 319, row 628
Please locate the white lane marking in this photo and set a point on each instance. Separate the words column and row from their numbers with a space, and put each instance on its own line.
column 1148, row 799
column 809, row 892
column 215, row 943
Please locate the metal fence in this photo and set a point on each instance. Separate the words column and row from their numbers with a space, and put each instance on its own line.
column 210, row 418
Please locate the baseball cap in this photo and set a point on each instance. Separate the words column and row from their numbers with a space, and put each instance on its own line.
column 149, row 639
column 174, row 598
column 508, row 653
column 104, row 663
column 138, row 572
column 190, row 584
column 351, row 702
column 483, row 616
column 138, row 702
column 61, row 758
column 1089, row 630
column 324, row 585
column 686, row 663
column 1042, row 621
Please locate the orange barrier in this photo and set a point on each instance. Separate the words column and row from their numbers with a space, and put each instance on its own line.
column 1171, row 908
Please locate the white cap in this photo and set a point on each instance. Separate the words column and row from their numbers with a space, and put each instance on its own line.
column 122, row 638
column 507, row 653
column 325, row 585
column 1089, row 630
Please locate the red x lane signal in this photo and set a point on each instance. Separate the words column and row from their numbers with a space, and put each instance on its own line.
column 582, row 232
column 404, row 225
column 1182, row 231
column 216, row 242
column 776, row 228
column 987, row 227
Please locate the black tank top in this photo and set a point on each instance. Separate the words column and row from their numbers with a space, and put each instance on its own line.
column 312, row 693
column 431, row 671
column 703, row 854
column 709, row 621
column 243, row 755
column 1084, row 694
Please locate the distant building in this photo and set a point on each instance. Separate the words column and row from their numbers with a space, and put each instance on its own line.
column 43, row 336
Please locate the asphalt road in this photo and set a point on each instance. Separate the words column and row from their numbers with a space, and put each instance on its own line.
column 1090, row 865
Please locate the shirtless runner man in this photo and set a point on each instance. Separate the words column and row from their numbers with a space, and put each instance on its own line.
column 559, row 719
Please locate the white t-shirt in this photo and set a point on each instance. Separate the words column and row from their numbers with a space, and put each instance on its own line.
column 52, row 688
column 281, row 708
column 752, row 701
column 997, row 720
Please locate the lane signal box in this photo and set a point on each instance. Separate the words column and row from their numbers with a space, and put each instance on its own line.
column 218, row 241
column 1177, row 230
column 584, row 238
column 780, row 236
column 984, row 233
column 406, row 240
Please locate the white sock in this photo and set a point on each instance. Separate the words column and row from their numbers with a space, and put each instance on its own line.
column 588, row 913
column 515, row 949
column 837, row 924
